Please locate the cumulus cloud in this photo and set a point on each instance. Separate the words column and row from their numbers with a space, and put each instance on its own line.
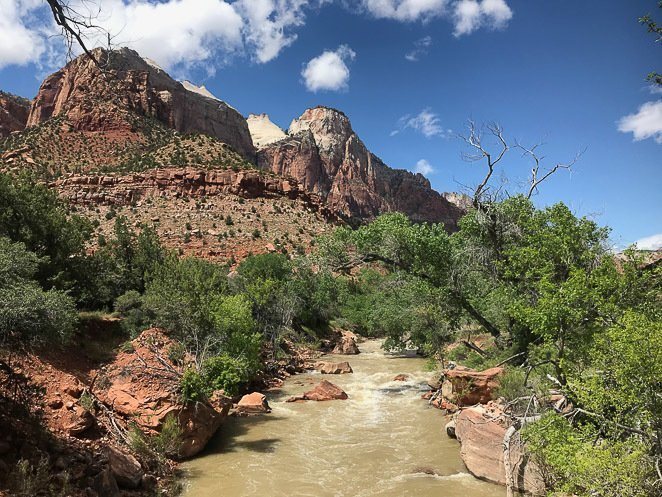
column 653, row 242
column 20, row 44
column 329, row 70
column 406, row 10
column 420, row 49
column 172, row 32
column 426, row 122
column 269, row 24
column 423, row 167
column 469, row 15
column 645, row 123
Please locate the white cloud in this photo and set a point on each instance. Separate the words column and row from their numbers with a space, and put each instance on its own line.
column 469, row 15
column 653, row 242
column 645, row 123
column 406, row 10
column 172, row 32
column 420, row 48
column 268, row 23
column 423, row 167
column 329, row 70
column 181, row 33
column 426, row 122
column 19, row 43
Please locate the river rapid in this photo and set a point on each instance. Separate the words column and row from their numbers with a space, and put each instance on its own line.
column 383, row 441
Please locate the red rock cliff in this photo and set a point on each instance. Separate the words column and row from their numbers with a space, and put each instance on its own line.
column 13, row 113
column 96, row 101
column 325, row 156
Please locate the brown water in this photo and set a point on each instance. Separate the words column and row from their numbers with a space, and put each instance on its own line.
column 382, row 441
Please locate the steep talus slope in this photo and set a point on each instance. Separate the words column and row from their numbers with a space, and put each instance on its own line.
column 327, row 157
column 93, row 100
column 14, row 112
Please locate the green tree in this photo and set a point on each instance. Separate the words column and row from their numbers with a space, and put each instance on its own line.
column 30, row 315
column 34, row 215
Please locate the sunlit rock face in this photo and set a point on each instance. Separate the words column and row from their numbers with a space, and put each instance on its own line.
column 326, row 156
column 108, row 99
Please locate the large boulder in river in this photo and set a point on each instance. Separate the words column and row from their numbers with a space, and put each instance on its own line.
column 253, row 403
column 324, row 390
column 480, row 431
column 465, row 387
column 334, row 367
column 142, row 385
column 346, row 344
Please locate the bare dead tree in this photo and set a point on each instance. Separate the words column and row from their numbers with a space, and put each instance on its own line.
column 485, row 193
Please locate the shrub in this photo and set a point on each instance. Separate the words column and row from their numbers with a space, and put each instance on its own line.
column 154, row 450
column 130, row 308
column 29, row 314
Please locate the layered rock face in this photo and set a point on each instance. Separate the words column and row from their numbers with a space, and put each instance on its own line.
column 327, row 157
column 13, row 113
column 129, row 85
column 115, row 189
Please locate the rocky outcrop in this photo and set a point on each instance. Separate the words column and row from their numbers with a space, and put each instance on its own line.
column 481, row 431
column 116, row 189
column 129, row 86
column 327, row 157
column 139, row 387
column 465, row 387
column 334, row 367
column 263, row 131
column 253, row 403
column 14, row 112
column 324, row 390
column 346, row 344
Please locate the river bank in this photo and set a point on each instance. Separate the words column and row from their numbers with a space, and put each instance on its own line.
column 384, row 440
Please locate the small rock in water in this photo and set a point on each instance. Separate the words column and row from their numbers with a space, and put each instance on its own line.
column 334, row 367
column 253, row 403
column 401, row 377
column 325, row 390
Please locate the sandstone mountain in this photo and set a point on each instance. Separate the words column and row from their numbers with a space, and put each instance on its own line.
column 93, row 100
column 127, row 139
column 327, row 157
column 14, row 112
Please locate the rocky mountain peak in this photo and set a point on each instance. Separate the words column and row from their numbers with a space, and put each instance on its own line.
column 327, row 157
column 130, row 86
column 263, row 131
column 330, row 127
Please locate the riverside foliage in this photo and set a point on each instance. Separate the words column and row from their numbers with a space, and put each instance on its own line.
column 541, row 281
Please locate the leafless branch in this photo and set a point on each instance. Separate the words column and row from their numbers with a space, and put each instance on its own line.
column 77, row 27
column 538, row 176
column 474, row 140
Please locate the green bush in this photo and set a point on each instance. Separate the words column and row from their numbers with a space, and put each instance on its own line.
column 154, row 450
column 29, row 314
column 130, row 308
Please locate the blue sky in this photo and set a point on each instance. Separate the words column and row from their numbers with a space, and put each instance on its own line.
column 564, row 72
